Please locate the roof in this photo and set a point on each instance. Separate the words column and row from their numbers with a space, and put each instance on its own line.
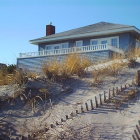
column 90, row 30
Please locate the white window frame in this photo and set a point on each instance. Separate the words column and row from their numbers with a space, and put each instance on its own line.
column 94, row 40
column 137, row 43
column 53, row 46
column 66, row 43
column 108, row 40
column 117, row 37
column 81, row 41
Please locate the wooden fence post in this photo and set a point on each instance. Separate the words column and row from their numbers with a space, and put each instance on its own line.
column 138, row 78
column 100, row 99
column 91, row 105
column 134, row 138
column 104, row 97
column 62, row 120
column 125, row 86
column 109, row 95
column 76, row 111
column 113, row 91
column 136, row 134
column 56, row 123
column 96, row 101
column 82, row 110
column 51, row 125
column 121, row 88
column 86, row 106
column 138, row 129
column 72, row 114
column 117, row 90
column 67, row 117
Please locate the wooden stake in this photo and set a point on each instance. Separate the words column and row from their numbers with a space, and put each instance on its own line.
column 104, row 97
column 96, row 101
column 62, row 120
column 138, row 129
column 91, row 105
column 117, row 90
column 109, row 94
column 67, row 117
column 100, row 99
column 56, row 123
column 136, row 134
column 76, row 111
column 134, row 138
column 121, row 88
column 51, row 125
column 82, row 110
column 113, row 91
column 86, row 106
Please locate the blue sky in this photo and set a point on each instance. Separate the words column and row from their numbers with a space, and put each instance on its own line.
column 23, row 20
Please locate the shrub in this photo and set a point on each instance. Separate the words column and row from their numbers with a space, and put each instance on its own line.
column 20, row 77
column 112, row 70
column 74, row 64
column 11, row 69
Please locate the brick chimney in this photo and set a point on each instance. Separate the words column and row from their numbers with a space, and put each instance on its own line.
column 50, row 29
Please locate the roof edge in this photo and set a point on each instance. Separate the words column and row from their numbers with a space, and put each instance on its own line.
column 119, row 30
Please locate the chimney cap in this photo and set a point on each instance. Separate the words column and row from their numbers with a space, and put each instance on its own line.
column 50, row 23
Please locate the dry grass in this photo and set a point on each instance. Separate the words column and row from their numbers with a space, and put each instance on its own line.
column 20, row 78
column 112, row 70
column 73, row 65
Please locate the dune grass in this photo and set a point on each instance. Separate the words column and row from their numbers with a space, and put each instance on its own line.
column 74, row 64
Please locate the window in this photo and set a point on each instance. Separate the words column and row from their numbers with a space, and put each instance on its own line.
column 65, row 45
column 79, row 43
column 104, row 42
column 48, row 47
column 56, row 47
column 114, row 42
column 94, row 42
column 137, row 43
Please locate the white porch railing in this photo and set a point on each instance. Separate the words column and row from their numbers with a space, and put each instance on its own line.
column 82, row 49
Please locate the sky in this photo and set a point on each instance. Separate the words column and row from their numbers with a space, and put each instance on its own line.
column 23, row 20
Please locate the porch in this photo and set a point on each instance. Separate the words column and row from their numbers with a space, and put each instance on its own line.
column 82, row 49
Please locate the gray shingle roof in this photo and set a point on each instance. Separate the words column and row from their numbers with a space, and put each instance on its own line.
column 98, row 27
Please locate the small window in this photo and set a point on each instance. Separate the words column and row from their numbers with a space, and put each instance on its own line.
column 79, row 43
column 56, row 47
column 94, row 42
column 64, row 45
column 104, row 42
column 114, row 42
column 48, row 48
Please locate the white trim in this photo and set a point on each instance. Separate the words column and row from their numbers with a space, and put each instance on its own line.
column 66, row 43
column 107, row 38
column 53, row 45
column 120, row 30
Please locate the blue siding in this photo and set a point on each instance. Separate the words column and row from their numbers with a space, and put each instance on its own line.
column 126, row 41
column 36, row 63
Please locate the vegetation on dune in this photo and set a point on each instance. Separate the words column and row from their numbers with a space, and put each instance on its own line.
column 74, row 64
